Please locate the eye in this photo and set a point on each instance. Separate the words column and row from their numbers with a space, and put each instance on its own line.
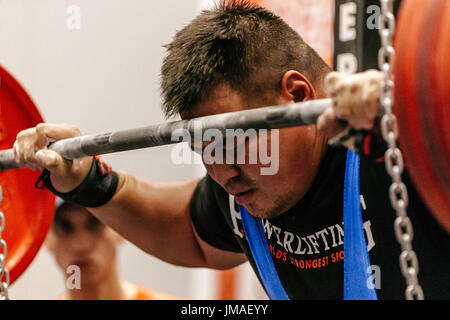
column 64, row 227
column 92, row 224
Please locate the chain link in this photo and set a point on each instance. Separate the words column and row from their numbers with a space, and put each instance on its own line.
column 398, row 193
column 4, row 274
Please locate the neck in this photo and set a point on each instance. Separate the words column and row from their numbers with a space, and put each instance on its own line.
column 109, row 288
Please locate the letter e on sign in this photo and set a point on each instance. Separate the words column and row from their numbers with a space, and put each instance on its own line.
column 347, row 31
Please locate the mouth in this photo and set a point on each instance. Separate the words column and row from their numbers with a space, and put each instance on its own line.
column 84, row 264
column 245, row 197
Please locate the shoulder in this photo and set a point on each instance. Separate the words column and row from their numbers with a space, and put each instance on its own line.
column 143, row 293
column 210, row 197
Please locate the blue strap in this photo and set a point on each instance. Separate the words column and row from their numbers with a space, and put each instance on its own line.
column 254, row 231
column 356, row 256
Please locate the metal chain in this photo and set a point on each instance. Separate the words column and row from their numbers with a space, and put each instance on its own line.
column 398, row 193
column 4, row 274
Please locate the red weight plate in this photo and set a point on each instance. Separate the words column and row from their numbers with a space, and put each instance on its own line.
column 434, row 125
column 442, row 65
column 28, row 211
column 420, row 105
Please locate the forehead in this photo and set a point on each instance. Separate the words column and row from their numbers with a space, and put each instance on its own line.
column 72, row 213
column 221, row 99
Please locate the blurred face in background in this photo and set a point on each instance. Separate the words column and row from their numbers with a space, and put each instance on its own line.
column 78, row 238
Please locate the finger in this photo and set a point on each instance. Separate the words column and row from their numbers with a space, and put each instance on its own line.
column 41, row 142
column 371, row 99
column 51, row 161
column 16, row 152
column 28, row 148
column 350, row 143
column 355, row 93
column 341, row 137
column 20, row 158
column 57, row 131
column 34, row 167
column 329, row 124
column 344, row 100
column 362, row 124
column 21, row 143
column 60, row 170
column 20, row 151
column 65, row 174
column 331, row 83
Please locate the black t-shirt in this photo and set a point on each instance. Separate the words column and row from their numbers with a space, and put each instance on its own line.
column 307, row 242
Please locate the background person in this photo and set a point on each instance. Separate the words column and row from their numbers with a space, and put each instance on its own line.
column 78, row 238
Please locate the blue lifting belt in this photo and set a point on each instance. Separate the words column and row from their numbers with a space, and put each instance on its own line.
column 356, row 256
column 254, row 231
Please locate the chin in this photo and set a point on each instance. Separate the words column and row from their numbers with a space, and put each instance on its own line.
column 261, row 212
column 91, row 280
column 270, row 208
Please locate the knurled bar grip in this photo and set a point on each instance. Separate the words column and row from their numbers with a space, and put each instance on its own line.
column 273, row 117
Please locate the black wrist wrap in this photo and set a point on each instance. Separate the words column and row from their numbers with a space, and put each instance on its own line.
column 96, row 190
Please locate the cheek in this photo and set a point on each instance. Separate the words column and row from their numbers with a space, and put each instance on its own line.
column 61, row 254
column 106, row 248
column 290, row 153
column 209, row 169
column 297, row 144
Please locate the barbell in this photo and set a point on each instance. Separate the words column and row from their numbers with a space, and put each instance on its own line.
column 421, row 104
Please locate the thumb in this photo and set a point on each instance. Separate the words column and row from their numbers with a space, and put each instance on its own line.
column 66, row 175
column 52, row 161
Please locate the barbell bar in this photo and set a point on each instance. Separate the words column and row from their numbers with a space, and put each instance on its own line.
column 272, row 117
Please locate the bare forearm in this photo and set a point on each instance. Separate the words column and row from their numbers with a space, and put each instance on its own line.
column 155, row 217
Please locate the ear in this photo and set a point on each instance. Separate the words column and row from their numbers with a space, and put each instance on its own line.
column 295, row 87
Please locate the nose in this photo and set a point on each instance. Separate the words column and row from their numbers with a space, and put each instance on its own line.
column 81, row 242
column 222, row 173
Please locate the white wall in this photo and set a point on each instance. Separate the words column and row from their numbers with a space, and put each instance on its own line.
column 101, row 77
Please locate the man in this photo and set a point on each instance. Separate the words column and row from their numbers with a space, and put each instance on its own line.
column 232, row 58
column 80, row 241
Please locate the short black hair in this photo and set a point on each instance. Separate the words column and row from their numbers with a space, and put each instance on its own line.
column 237, row 43
column 61, row 224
